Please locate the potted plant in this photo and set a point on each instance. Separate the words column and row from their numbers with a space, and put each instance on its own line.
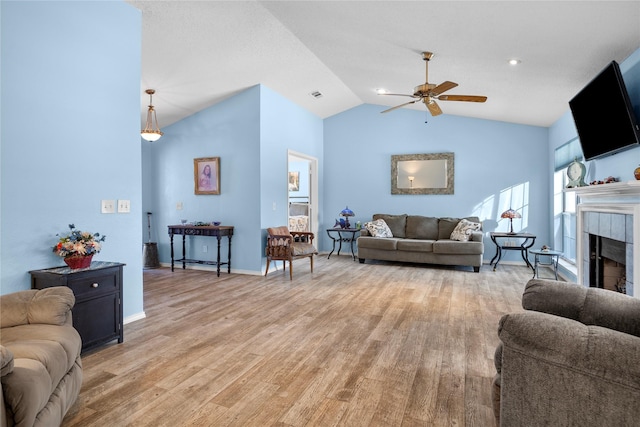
column 78, row 247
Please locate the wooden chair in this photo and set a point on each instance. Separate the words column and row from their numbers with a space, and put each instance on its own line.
column 285, row 245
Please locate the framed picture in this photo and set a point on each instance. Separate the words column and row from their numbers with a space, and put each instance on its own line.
column 294, row 181
column 206, row 175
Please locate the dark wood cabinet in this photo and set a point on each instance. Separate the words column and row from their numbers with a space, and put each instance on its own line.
column 97, row 314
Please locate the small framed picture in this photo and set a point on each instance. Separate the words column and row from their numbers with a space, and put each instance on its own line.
column 294, row 181
column 206, row 175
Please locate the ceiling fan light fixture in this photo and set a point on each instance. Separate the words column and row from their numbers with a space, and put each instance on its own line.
column 151, row 133
column 514, row 61
column 381, row 91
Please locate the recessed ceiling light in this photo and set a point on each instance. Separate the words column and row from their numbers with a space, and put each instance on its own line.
column 514, row 61
column 381, row 91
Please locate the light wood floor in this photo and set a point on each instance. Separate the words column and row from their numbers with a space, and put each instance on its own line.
column 349, row 345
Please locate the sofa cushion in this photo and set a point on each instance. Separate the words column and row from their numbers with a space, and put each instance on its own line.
column 378, row 228
column 447, row 225
column 397, row 223
column 463, row 230
column 455, row 247
column 422, row 227
column 390, row 244
column 415, row 245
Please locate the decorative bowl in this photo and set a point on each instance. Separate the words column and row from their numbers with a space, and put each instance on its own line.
column 216, row 223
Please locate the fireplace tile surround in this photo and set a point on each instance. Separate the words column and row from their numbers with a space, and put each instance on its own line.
column 612, row 211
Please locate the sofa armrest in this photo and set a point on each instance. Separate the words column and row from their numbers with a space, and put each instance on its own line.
column 557, row 371
column 49, row 306
column 591, row 306
column 364, row 232
column 476, row 236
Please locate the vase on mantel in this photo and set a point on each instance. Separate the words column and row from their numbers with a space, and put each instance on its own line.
column 76, row 262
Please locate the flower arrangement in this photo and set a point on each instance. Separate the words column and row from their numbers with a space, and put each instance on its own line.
column 78, row 243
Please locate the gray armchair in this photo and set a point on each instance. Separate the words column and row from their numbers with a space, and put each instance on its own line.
column 571, row 359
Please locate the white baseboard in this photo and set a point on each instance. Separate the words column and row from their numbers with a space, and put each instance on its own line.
column 134, row 317
column 212, row 268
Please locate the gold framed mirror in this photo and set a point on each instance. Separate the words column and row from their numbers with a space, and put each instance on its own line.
column 422, row 173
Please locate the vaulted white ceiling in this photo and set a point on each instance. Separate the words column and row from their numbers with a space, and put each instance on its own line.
column 198, row 53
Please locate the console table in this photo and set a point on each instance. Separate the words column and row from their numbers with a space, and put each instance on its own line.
column 217, row 231
column 528, row 240
column 97, row 314
column 340, row 238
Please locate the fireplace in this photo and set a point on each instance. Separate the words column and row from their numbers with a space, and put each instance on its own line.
column 607, row 263
column 608, row 236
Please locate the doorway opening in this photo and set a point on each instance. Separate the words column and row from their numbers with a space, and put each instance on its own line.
column 302, row 192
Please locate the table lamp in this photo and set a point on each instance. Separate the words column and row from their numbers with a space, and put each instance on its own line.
column 346, row 213
column 510, row 213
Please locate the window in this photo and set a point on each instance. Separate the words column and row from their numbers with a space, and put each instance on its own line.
column 564, row 203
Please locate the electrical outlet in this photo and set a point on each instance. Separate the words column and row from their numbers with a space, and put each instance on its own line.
column 204, row 248
column 124, row 206
column 108, row 206
column 274, row 206
column 179, row 206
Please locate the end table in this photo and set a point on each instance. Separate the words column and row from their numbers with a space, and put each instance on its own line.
column 342, row 236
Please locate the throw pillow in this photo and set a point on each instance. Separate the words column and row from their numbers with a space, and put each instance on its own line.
column 378, row 228
column 463, row 230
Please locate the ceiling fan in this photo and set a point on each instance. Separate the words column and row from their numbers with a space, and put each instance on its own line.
column 428, row 93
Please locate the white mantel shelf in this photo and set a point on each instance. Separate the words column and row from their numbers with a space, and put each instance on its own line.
column 612, row 189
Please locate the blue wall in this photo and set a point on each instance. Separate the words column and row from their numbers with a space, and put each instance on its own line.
column 70, row 135
column 251, row 133
column 497, row 164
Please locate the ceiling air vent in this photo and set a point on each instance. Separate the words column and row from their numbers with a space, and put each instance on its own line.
column 317, row 94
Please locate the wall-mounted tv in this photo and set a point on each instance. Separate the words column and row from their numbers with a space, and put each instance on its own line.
column 604, row 116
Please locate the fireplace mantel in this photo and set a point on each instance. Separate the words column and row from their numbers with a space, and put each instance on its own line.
column 614, row 201
column 627, row 191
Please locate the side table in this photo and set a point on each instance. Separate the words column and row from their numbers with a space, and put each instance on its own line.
column 97, row 314
column 342, row 236
column 528, row 240
column 554, row 257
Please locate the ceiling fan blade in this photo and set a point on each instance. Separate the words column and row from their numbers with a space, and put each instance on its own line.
column 399, row 94
column 398, row 106
column 434, row 108
column 468, row 98
column 443, row 87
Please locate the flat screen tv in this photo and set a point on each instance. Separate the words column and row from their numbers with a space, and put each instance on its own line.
column 604, row 116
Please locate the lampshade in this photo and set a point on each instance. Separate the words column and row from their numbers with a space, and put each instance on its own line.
column 510, row 213
column 347, row 212
column 150, row 133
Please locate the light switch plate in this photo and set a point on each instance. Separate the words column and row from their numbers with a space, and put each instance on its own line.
column 108, row 206
column 124, row 206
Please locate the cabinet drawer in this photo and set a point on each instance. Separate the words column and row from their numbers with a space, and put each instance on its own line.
column 94, row 285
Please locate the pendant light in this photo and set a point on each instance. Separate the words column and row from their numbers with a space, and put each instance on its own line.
column 150, row 133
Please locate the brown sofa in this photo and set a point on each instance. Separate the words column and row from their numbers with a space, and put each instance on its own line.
column 571, row 359
column 40, row 357
column 422, row 239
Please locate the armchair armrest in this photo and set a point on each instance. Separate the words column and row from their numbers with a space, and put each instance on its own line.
column 49, row 306
column 6, row 361
column 591, row 306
